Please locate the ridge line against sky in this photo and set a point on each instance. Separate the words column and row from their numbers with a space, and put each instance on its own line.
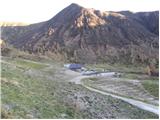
column 32, row 11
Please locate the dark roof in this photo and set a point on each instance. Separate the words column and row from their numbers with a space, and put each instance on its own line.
column 75, row 66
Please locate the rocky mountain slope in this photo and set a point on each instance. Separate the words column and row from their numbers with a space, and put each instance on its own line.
column 86, row 35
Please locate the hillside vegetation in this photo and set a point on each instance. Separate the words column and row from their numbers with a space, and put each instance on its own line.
column 84, row 35
column 32, row 89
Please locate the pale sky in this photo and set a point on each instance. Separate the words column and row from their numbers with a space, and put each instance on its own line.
column 32, row 11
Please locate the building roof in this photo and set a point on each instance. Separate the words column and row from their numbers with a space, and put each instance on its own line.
column 73, row 66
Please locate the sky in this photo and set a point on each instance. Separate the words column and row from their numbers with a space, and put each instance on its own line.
column 33, row 11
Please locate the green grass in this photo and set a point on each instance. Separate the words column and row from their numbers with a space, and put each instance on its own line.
column 152, row 87
column 117, row 68
column 138, row 76
column 93, row 79
column 29, row 64
column 29, row 96
column 25, row 63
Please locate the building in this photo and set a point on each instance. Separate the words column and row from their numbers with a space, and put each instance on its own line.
column 73, row 66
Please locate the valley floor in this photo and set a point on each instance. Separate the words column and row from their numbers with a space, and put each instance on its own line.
column 44, row 89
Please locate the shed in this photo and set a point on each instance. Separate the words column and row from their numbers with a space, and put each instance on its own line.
column 73, row 66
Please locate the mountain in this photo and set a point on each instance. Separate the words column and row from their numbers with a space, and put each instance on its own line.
column 86, row 35
column 13, row 24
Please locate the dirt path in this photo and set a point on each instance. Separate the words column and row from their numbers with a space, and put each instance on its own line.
column 139, row 104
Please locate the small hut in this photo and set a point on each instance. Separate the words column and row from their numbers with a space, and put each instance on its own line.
column 73, row 66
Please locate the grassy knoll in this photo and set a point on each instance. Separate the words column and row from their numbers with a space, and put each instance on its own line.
column 152, row 87
column 25, row 96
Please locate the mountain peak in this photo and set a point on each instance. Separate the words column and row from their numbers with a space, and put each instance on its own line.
column 67, row 15
column 74, row 5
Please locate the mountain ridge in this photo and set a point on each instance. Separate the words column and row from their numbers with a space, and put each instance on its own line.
column 101, row 35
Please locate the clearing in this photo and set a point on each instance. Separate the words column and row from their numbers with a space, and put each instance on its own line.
column 36, row 89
